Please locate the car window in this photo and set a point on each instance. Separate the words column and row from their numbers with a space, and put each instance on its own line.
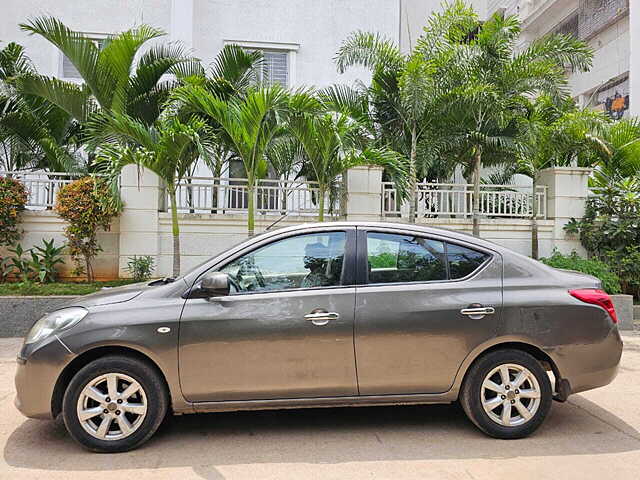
column 402, row 258
column 464, row 261
column 305, row 261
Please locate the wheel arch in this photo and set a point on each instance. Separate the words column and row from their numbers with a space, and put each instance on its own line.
column 532, row 349
column 93, row 354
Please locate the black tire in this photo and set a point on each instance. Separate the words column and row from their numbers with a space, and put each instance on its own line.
column 470, row 395
column 149, row 379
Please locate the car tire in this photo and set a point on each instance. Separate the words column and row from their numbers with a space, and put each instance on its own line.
column 506, row 409
column 104, row 424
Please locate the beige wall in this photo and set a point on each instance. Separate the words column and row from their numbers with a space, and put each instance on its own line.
column 45, row 224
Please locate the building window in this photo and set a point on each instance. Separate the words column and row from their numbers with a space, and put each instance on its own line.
column 568, row 26
column 275, row 68
column 279, row 61
column 68, row 69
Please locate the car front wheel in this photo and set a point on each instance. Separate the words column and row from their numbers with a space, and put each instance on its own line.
column 114, row 404
column 507, row 394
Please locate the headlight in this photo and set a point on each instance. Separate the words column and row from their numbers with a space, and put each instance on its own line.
column 55, row 322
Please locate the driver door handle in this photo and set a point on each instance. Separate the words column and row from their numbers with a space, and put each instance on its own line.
column 321, row 318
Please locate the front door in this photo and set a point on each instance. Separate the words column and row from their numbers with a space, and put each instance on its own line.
column 286, row 330
column 419, row 310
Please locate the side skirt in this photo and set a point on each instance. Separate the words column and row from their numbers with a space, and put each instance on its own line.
column 321, row 402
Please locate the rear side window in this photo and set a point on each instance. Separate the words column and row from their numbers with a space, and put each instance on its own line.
column 400, row 258
column 464, row 261
column 396, row 258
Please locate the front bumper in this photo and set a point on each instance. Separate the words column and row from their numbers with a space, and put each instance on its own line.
column 39, row 367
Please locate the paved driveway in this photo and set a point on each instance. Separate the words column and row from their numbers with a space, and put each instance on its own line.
column 595, row 435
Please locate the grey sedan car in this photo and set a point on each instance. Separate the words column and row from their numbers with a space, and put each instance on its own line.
column 337, row 314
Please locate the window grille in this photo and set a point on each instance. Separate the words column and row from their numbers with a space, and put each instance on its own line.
column 596, row 15
column 69, row 70
column 569, row 26
column 275, row 67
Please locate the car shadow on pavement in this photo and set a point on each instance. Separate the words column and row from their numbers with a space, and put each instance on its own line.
column 326, row 436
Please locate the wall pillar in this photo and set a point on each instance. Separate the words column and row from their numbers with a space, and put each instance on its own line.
column 182, row 22
column 139, row 222
column 567, row 194
column 364, row 187
column 634, row 58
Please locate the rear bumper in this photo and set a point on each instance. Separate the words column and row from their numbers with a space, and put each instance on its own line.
column 39, row 368
column 590, row 366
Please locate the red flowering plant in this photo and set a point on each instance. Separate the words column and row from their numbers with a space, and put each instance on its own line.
column 13, row 198
column 87, row 206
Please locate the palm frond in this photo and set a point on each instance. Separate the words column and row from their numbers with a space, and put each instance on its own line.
column 117, row 57
column 369, row 50
column 237, row 66
column 73, row 99
column 77, row 47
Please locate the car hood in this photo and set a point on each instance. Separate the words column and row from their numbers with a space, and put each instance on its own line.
column 108, row 296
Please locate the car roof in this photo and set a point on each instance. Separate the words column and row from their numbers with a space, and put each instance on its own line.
column 424, row 229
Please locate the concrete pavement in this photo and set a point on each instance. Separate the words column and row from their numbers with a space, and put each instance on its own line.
column 596, row 435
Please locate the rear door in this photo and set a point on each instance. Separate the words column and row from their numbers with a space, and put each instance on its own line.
column 422, row 305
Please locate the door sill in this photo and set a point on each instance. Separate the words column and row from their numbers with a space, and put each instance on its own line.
column 323, row 402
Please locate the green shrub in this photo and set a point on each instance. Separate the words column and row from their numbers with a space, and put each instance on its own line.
column 86, row 205
column 38, row 263
column 48, row 259
column 13, row 198
column 610, row 281
column 610, row 231
column 141, row 268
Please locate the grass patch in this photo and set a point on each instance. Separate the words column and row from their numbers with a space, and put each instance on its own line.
column 45, row 289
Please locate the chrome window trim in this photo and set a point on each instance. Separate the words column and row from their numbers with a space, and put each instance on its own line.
column 441, row 238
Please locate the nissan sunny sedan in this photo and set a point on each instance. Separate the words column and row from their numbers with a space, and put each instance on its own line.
column 339, row 314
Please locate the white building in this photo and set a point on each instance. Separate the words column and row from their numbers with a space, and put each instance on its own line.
column 300, row 37
column 610, row 27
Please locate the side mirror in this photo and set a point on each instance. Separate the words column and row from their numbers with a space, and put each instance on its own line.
column 215, row 284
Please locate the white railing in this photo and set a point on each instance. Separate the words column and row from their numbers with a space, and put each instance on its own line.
column 228, row 195
column 456, row 200
column 42, row 187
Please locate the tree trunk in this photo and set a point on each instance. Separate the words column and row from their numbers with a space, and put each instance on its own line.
column 87, row 262
column 321, row 193
column 175, row 230
column 251, row 204
column 413, row 175
column 477, row 164
column 535, row 242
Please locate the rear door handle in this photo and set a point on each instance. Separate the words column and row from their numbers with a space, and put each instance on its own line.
column 476, row 313
column 321, row 318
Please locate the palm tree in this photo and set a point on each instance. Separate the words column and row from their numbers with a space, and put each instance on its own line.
column 399, row 97
column 232, row 72
column 117, row 77
column 331, row 146
column 249, row 124
column 484, row 83
column 617, row 152
column 554, row 134
column 34, row 133
column 168, row 148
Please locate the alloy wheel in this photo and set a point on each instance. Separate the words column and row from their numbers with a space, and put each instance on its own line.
column 112, row 406
column 510, row 395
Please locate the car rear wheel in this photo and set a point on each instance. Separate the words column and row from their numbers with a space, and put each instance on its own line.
column 507, row 394
column 114, row 404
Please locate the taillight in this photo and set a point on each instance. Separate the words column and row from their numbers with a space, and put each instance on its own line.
column 596, row 297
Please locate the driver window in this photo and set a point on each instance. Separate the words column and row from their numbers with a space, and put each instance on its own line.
column 306, row 261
